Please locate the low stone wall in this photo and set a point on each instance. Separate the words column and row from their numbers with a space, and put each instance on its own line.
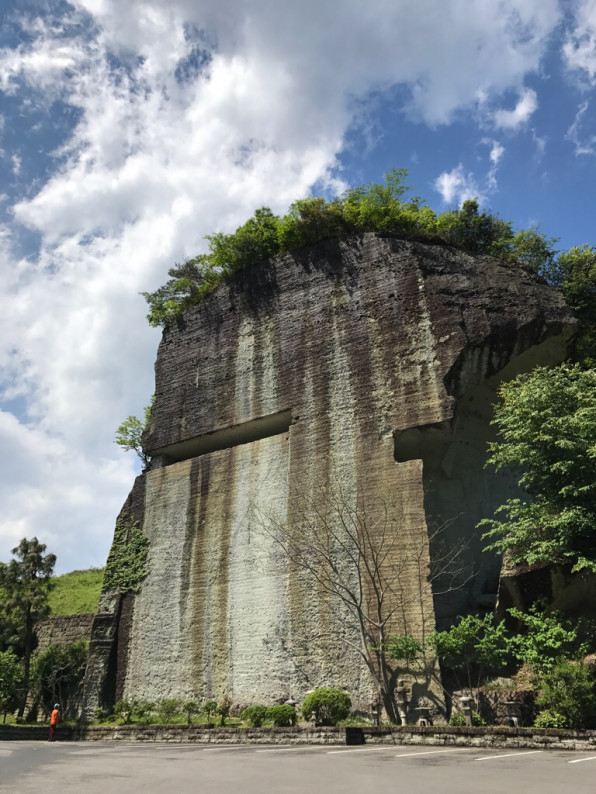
column 445, row 735
column 63, row 630
column 512, row 738
column 182, row 734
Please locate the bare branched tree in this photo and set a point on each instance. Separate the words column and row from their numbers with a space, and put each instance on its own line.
column 375, row 562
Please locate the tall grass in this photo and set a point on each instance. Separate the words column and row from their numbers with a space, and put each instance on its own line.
column 77, row 592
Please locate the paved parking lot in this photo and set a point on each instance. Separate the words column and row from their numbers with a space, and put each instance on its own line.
column 177, row 769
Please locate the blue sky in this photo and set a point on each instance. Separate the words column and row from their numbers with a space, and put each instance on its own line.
column 129, row 131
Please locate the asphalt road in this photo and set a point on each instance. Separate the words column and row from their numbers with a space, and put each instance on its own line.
column 94, row 768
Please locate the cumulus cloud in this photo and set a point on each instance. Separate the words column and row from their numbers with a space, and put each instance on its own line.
column 516, row 118
column 456, row 186
column 185, row 117
column 579, row 49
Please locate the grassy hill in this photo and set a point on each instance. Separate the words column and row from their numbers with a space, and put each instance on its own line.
column 76, row 592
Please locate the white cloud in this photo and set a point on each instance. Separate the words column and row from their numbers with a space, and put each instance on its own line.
column 584, row 142
column 456, row 186
column 579, row 49
column 540, row 142
column 190, row 116
column 497, row 150
column 516, row 118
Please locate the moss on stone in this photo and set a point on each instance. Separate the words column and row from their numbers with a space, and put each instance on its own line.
column 126, row 567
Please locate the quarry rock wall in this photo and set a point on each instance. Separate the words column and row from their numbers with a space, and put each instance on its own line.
column 63, row 630
column 358, row 372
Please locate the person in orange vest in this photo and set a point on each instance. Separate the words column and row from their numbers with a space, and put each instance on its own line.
column 54, row 720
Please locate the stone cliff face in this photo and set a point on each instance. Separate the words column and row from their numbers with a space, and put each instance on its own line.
column 365, row 367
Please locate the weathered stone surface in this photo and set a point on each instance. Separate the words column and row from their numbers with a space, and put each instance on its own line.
column 108, row 646
column 368, row 364
column 63, row 630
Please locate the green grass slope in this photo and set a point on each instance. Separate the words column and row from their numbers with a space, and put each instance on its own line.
column 77, row 592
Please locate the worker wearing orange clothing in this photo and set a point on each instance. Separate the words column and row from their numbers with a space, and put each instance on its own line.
column 54, row 720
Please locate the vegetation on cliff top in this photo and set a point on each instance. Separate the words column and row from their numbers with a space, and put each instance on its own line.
column 380, row 208
column 76, row 593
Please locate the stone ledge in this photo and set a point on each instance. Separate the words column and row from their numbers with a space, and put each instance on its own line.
column 537, row 738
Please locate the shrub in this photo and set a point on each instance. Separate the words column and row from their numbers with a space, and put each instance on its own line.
column 254, row 715
column 223, row 709
column 568, row 691
column 458, row 719
column 124, row 710
column 210, row 708
column 550, row 719
column 143, row 709
column 167, row 709
column 100, row 714
column 326, row 705
column 282, row 716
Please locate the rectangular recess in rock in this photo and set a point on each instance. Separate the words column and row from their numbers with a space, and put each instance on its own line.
column 224, row 438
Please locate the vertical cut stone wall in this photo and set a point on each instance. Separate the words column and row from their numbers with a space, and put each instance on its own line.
column 377, row 349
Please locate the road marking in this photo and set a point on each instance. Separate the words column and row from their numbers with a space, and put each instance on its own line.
column 362, row 749
column 506, row 755
column 433, row 752
column 292, row 747
column 579, row 760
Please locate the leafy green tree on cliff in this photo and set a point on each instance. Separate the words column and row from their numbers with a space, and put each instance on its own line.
column 574, row 273
column 377, row 207
column 129, row 434
column 547, row 422
column 26, row 582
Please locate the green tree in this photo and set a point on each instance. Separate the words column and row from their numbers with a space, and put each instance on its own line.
column 251, row 243
column 547, row 422
column 188, row 283
column 57, row 673
column 475, row 231
column 129, row 434
column 210, row 708
column 474, row 645
column 26, row 582
column 546, row 638
column 11, row 674
column 190, row 707
column 533, row 249
column 574, row 273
